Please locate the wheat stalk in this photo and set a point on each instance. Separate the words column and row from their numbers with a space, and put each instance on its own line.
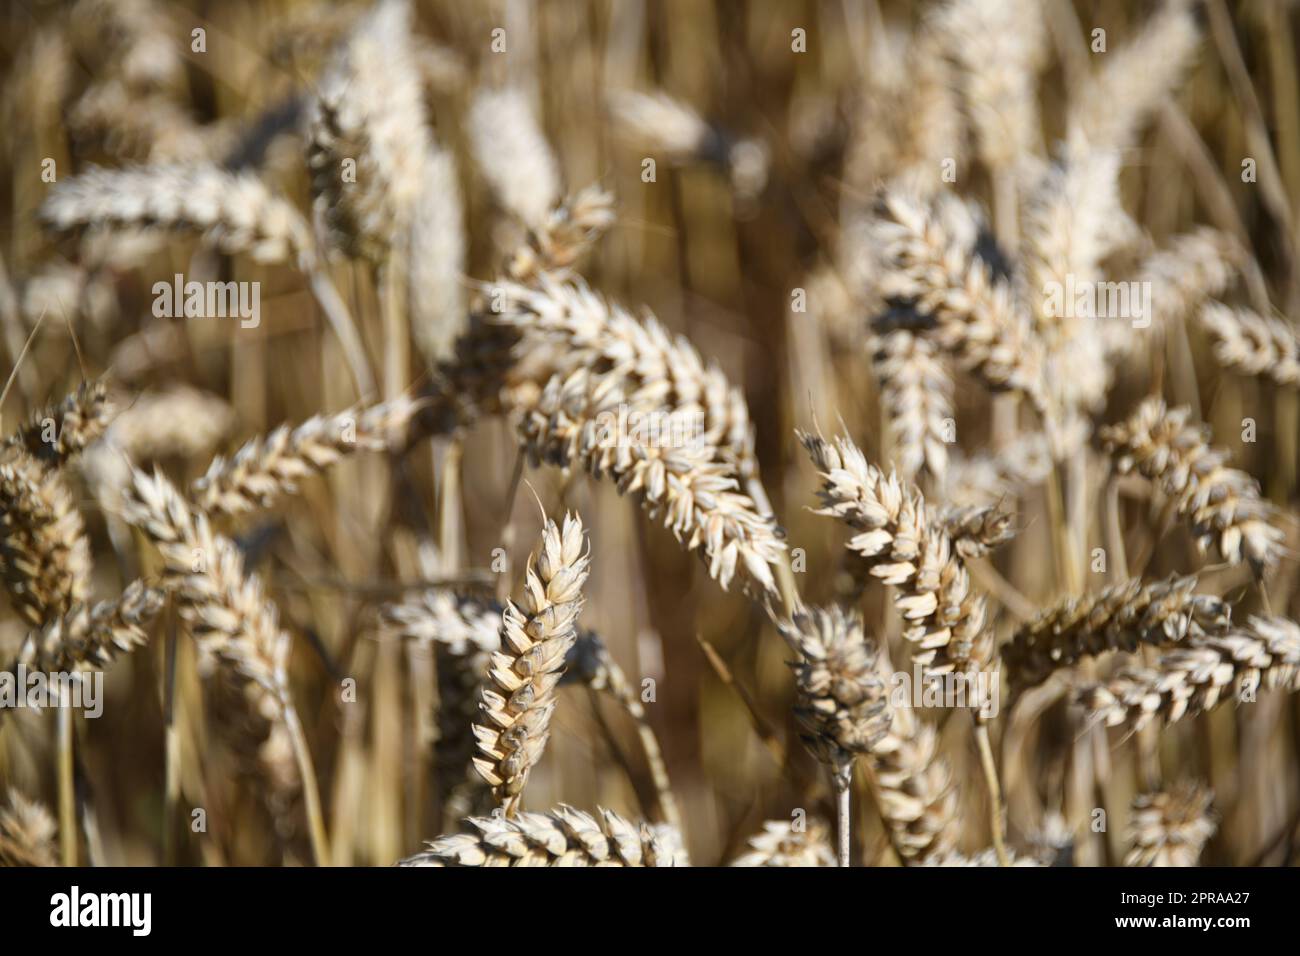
column 783, row 844
column 519, row 695
column 1254, row 345
column 27, row 834
column 1223, row 504
column 1197, row 678
column 1170, row 828
column 268, row 467
column 1120, row 618
column 560, row 837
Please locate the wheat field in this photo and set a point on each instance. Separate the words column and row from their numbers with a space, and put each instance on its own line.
column 650, row 433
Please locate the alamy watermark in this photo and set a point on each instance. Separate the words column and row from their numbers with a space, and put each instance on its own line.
column 1084, row 299
column 205, row 300
column 681, row 429
column 82, row 690
column 979, row 690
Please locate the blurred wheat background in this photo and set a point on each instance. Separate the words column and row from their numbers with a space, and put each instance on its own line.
column 851, row 209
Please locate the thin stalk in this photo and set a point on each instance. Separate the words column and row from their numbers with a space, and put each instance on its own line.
column 171, row 752
column 994, row 788
column 340, row 320
column 68, row 830
column 784, row 571
column 310, row 788
column 841, row 780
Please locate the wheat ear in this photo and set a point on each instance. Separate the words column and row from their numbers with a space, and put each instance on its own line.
column 227, row 611
column 781, row 844
column 44, row 552
column 902, row 546
column 56, row 434
column 87, row 637
column 1194, row 679
column 1223, row 504
column 266, row 468
column 966, row 311
column 839, row 698
column 1171, row 827
column 916, row 392
column 27, row 834
column 519, row 696
column 1120, row 618
column 1251, row 344
column 560, row 837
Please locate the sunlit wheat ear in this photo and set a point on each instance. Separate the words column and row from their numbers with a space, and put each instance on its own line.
column 234, row 211
column 1133, row 79
column 903, row 546
column 916, row 391
column 976, row 530
column 270, row 467
column 1171, row 827
column 963, row 308
column 1121, row 618
column 436, row 259
column 513, row 155
column 92, row 637
column 840, row 702
column 519, row 696
column 651, row 369
column 781, row 844
column 27, row 833
column 560, row 837
column 988, row 477
column 368, row 141
column 462, row 633
column 1212, row 670
column 1223, row 505
column 997, row 49
column 44, row 552
column 56, row 434
column 1251, row 344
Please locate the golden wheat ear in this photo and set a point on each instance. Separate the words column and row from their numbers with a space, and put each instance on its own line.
column 519, row 696
column 27, row 833
column 781, row 844
column 1171, row 827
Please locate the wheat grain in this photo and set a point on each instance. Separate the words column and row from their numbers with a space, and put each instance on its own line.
column 1223, row 504
column 976, row 530
column 519, row 696
column 1170, row 828
column 1120, row 618
column 560, row 837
